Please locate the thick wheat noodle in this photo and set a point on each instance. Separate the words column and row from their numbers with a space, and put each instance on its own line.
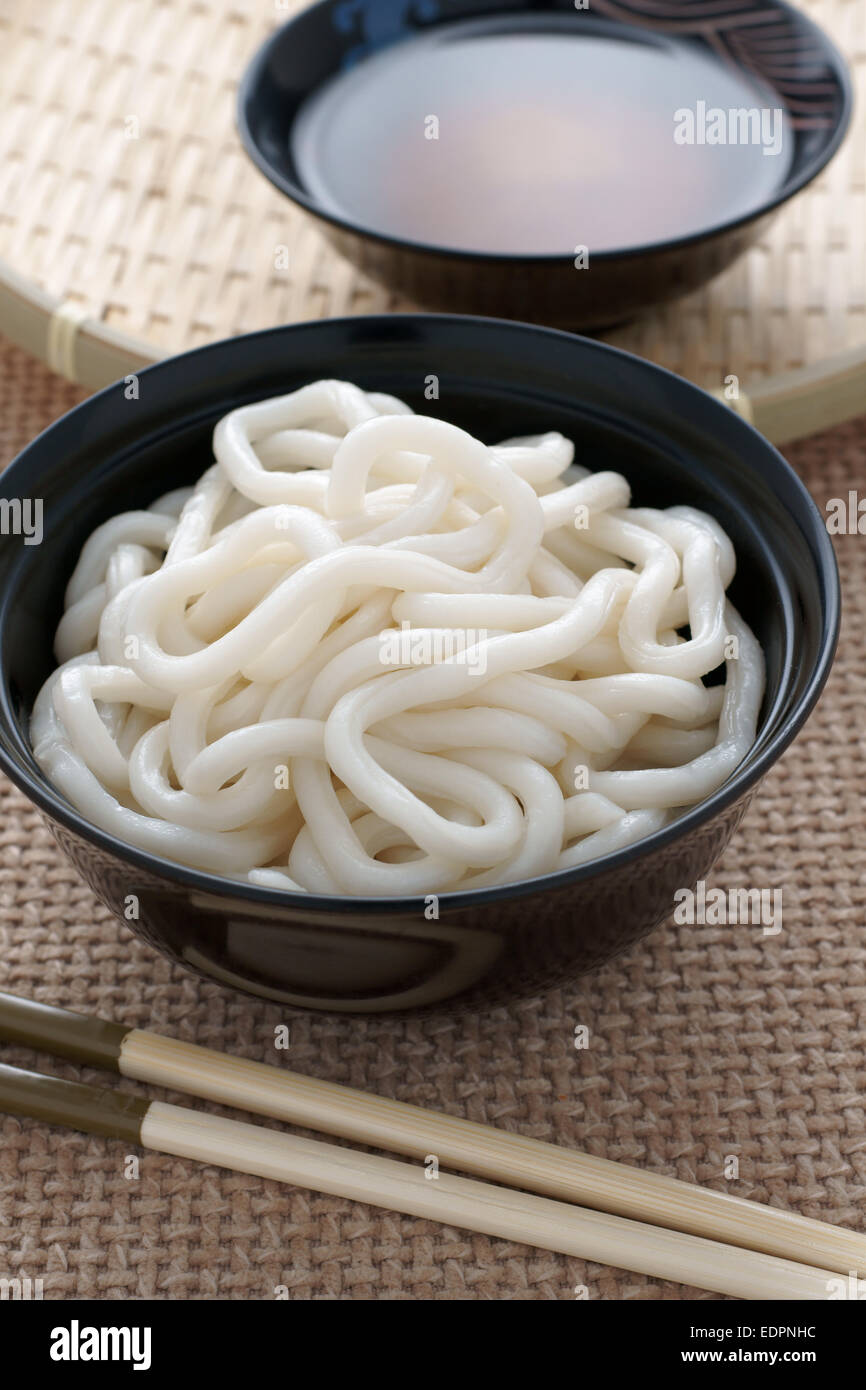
column 367, row 654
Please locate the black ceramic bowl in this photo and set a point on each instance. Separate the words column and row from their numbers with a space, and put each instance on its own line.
column 766, row 42
column 675, row 444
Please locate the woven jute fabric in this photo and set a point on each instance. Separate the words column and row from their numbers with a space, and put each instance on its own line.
column 704, row 1043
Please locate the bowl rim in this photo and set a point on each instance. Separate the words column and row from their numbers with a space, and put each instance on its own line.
column 42, row 794
column 294, row 190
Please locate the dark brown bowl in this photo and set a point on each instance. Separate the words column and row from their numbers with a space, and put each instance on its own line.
column 767, row 40
column 371, row 955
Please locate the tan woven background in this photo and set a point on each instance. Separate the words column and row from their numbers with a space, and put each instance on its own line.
column 124, row 192
column 704, row 1041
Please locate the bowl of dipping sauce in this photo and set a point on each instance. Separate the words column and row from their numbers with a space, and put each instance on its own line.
column 559, row 164
column 347, row 952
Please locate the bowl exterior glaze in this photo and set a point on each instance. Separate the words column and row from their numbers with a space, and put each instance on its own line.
column 386, row 961
column 675, row 444
column 613, row 290
column 768, row 39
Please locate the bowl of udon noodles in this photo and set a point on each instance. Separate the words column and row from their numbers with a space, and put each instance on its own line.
column 372, row 664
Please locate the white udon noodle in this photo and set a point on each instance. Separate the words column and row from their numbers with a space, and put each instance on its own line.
column 228, row 640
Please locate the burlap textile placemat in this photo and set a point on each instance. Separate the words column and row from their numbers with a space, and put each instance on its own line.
column 704, row 1041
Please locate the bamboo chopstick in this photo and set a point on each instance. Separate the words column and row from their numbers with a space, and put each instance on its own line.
column 500, row 1155
column 404, row 1187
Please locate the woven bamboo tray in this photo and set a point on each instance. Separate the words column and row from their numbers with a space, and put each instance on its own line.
column 132, row 225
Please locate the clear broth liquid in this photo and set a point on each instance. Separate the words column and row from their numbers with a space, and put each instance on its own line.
column 545, row 141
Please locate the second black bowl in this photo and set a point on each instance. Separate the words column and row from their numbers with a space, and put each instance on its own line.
column 763, row 54
column 673, row 442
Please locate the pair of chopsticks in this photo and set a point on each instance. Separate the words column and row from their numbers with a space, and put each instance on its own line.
column 573, row 1203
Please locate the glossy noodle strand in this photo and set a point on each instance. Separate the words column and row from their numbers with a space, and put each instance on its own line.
column 369, row 655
